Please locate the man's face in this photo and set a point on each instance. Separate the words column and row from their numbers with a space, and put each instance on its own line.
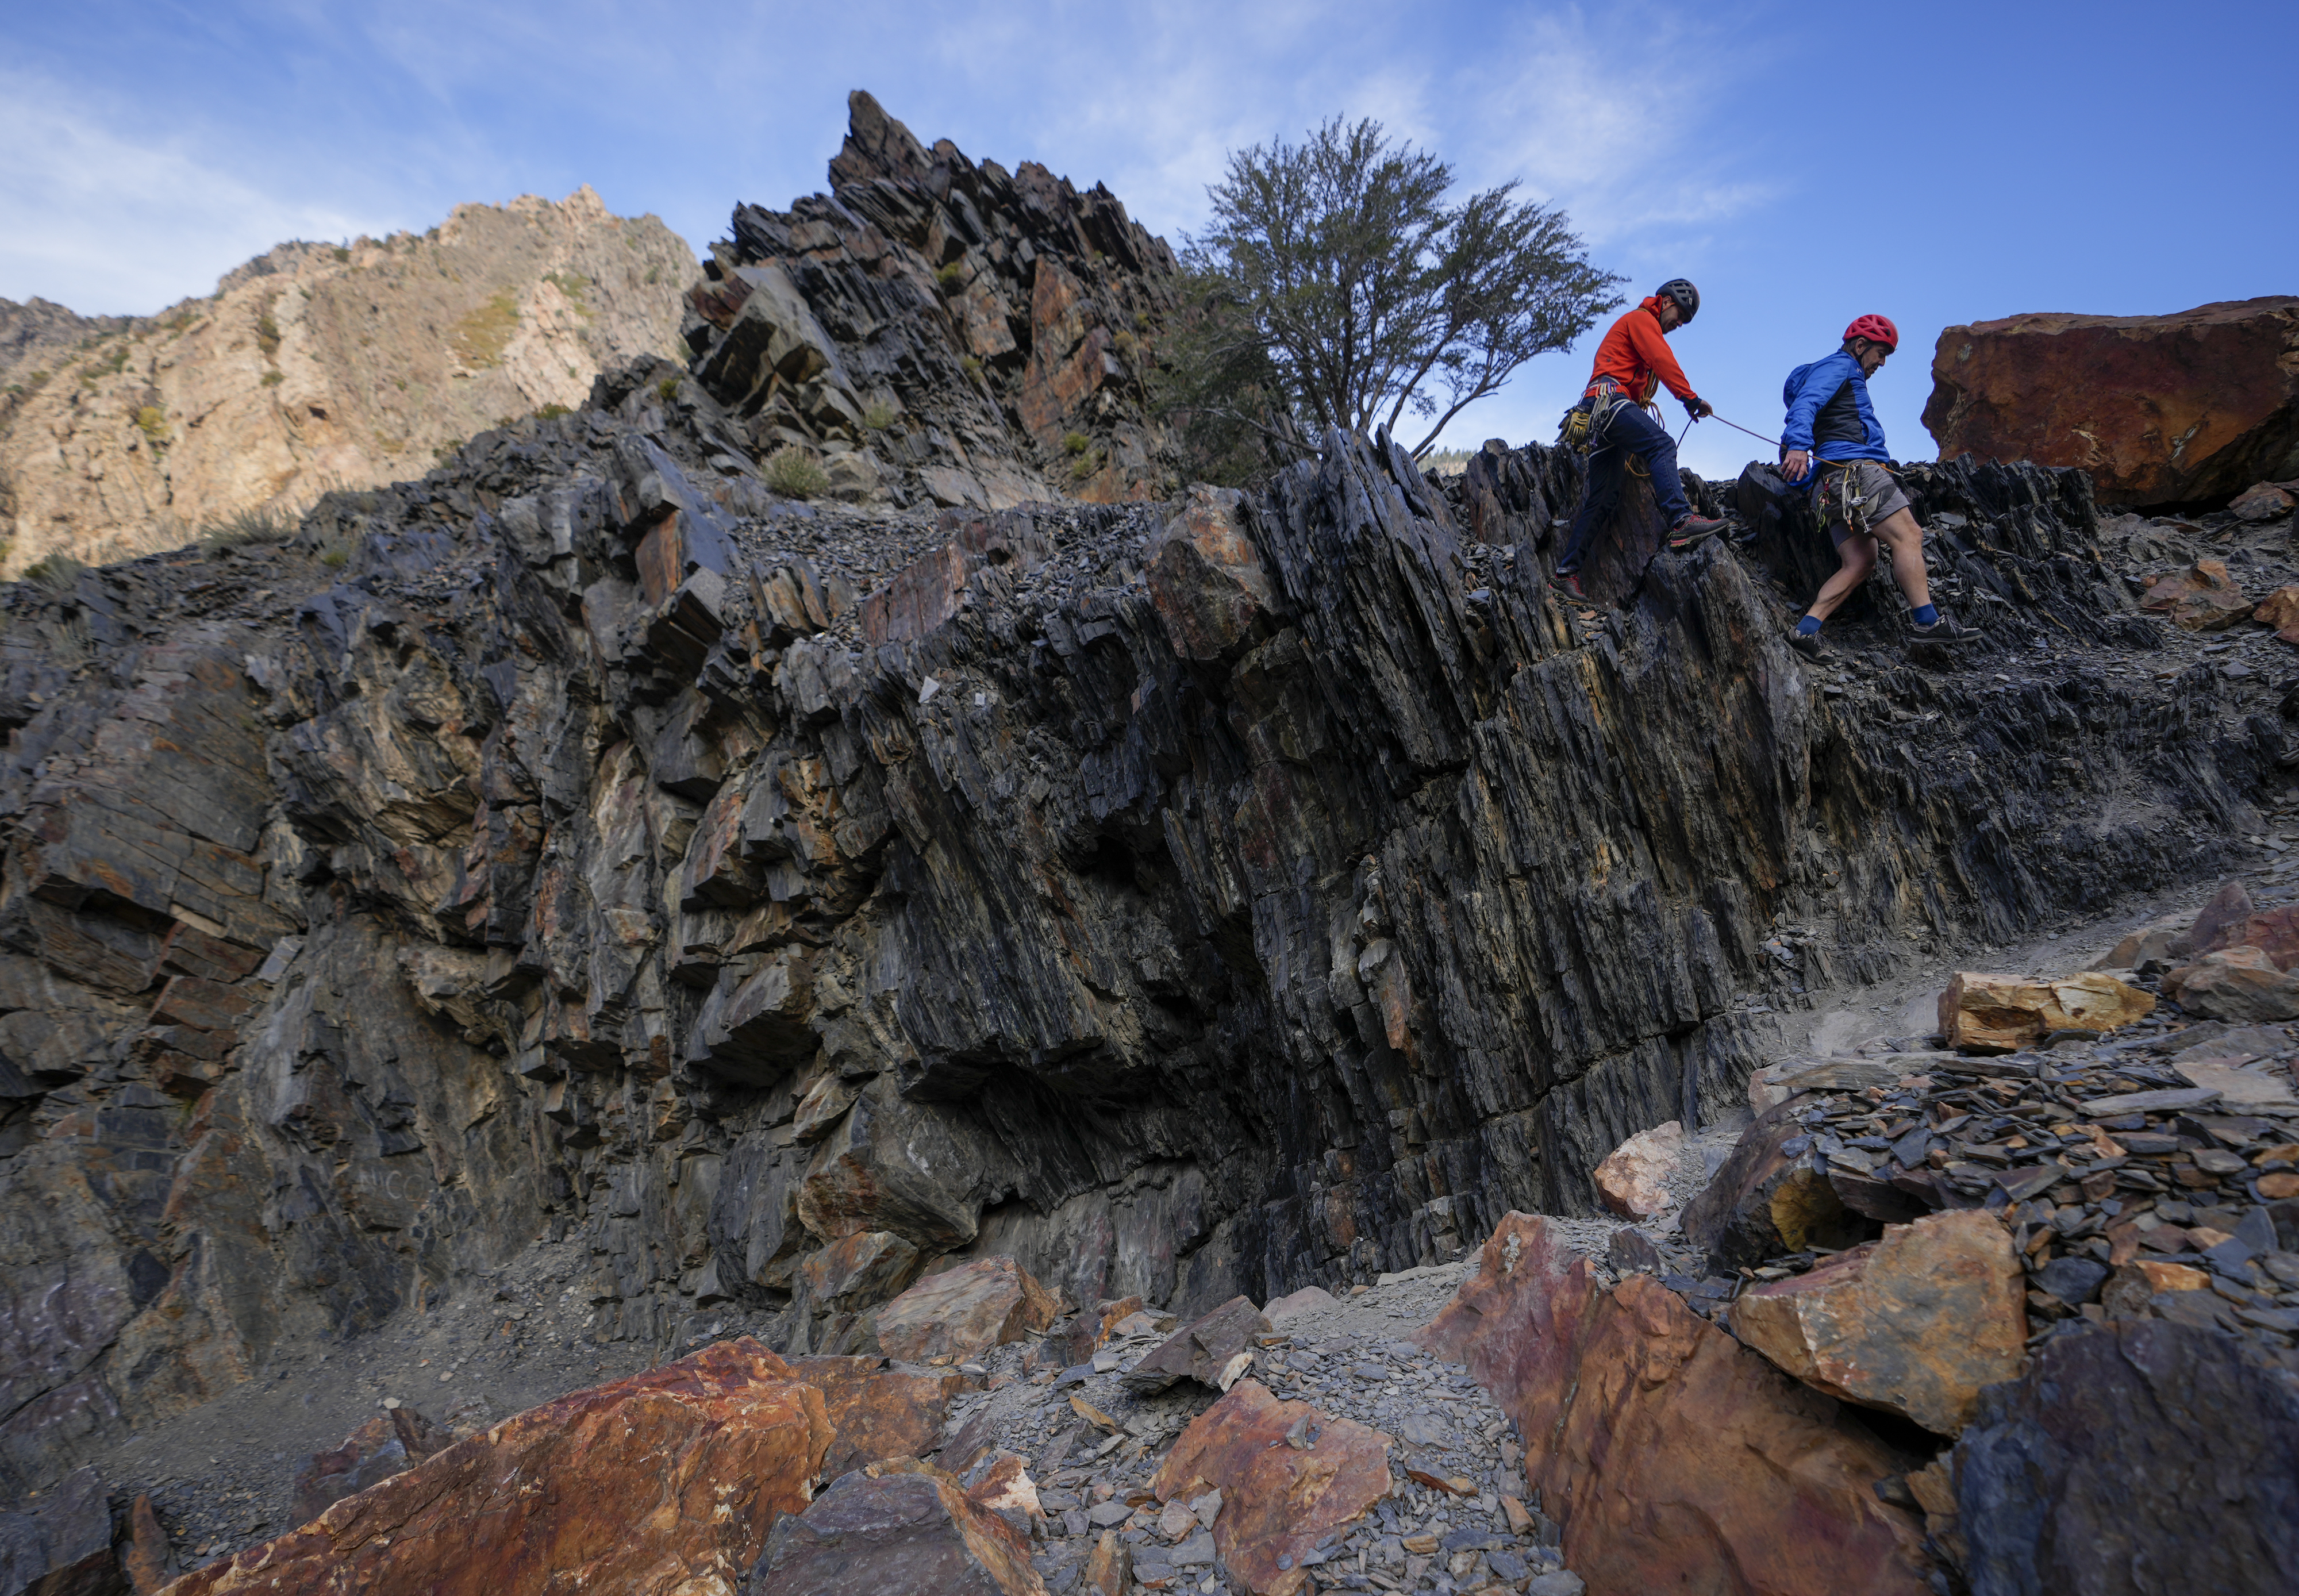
column 1872, row 358
column 1671, row 316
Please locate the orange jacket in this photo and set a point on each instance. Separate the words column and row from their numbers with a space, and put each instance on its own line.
column 1635, row 354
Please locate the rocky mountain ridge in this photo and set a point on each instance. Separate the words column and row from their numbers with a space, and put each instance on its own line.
column 317, row 367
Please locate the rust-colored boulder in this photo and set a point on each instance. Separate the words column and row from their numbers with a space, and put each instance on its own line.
column 2239, row 983
column 387, row 1445
column 857, row 1270
column 1633, row 1181
column 1214, row 1350
column 2281, row 609
column 1915, row 1324
column 2161, row 410
column 891, row 1533
column 1673, row 1458
column 1287, row 1473
column 146, row 1558
column 876, row 1411
column 2228, row 907
column 668, row 1481
column 2265, row 501
column 1768, row 1197
column 2202, row 598
column 965, row 1311
column 1206, row 577
column 2001, row 1014
column 2274, row 931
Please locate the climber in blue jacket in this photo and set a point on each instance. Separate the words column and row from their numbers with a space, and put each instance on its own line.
column 1833, row 438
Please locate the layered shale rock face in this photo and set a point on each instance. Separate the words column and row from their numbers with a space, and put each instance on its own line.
column 1211, row 897
column 2161, row 410
column 313, row 367
column 941, row 332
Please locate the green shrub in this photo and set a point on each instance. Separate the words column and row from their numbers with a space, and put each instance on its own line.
column 1076, row 443
column 878, row 415
column 272, row 379
column 244, row 528
column 480, row 338
column 342, row 255
column 267, row 335
column 334, row 556
column 666, row 389
column 796, row 474
column 551, row 412
column 56, row 572
column 971, row 367
column 951, row 277
column 153, row 422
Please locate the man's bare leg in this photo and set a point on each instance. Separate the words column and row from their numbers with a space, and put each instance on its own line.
column 1858, row 554
column 1905, row 539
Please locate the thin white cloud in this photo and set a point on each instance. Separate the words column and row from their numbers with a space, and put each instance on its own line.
column 109, row 224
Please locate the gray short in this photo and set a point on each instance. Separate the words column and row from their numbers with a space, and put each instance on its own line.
column 1878, row 494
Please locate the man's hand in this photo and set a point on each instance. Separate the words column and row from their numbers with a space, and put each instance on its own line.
column 1696, row 407
column 1797, row 466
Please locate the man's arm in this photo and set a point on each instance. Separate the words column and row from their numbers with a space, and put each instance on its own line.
column 1651, row 346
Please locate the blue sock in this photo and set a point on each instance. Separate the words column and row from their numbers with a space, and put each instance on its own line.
column 1809, row 626
column 1925, row 615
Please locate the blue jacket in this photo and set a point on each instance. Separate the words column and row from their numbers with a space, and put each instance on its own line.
column 1829, row 398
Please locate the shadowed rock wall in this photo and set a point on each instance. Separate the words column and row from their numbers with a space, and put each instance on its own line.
column 1299, row 894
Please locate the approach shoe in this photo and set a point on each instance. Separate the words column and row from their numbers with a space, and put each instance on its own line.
column 1808, row 644
column 1568, row 583
column 1946, row 629
column 1692, row 531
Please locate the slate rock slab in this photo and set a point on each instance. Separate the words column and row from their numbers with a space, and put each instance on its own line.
column 60, row 1545
column 1208, row 1352
column 961, row 1311
column 889, row 1534
column 2140, row 1457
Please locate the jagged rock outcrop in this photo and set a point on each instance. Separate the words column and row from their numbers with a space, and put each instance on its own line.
column 314, row 367
column 2161, row 410
column 532, row 850
column 942, row 332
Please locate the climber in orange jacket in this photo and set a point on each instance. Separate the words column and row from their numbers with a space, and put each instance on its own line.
column 1632, row 362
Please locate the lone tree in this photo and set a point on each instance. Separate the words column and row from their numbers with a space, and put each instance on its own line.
column 1337, row 288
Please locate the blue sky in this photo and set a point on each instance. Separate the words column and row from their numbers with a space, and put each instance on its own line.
column 1804, row 164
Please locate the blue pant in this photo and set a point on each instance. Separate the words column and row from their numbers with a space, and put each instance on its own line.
column 1630, row 430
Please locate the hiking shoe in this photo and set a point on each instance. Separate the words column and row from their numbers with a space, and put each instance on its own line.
column 1692, row 531
column 1568, row 582
column 1808, row 644
column 1946, row 629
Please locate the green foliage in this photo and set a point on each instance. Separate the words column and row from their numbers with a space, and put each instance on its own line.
column 666, row 389
column 796, row 474
column 950, row 278
column 153, row 422
column 551, row 412
column 342, row 253
column 1076, row 443
column 1369, row 294
column 57, row 573
column 971, row 367
column 447, row 451
column 336, row 556
column 1085, row 464
column 878, row 415
column 245, row 529
column 480, row 338
column 267, row 335
column 272, row 379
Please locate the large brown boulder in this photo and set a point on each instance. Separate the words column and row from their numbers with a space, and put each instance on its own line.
column 1915, row 1324
column 965, row 1311
column 876, row 1412
column 891, row 1533
column 1674, row 1457
column 2001, row 1014
column 1289, row 1475
column 2161, row 410
column 665, row 1481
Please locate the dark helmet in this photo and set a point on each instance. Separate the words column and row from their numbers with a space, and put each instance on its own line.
column 1687, row 296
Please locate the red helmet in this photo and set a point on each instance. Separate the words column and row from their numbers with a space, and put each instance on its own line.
column 1876, row 330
